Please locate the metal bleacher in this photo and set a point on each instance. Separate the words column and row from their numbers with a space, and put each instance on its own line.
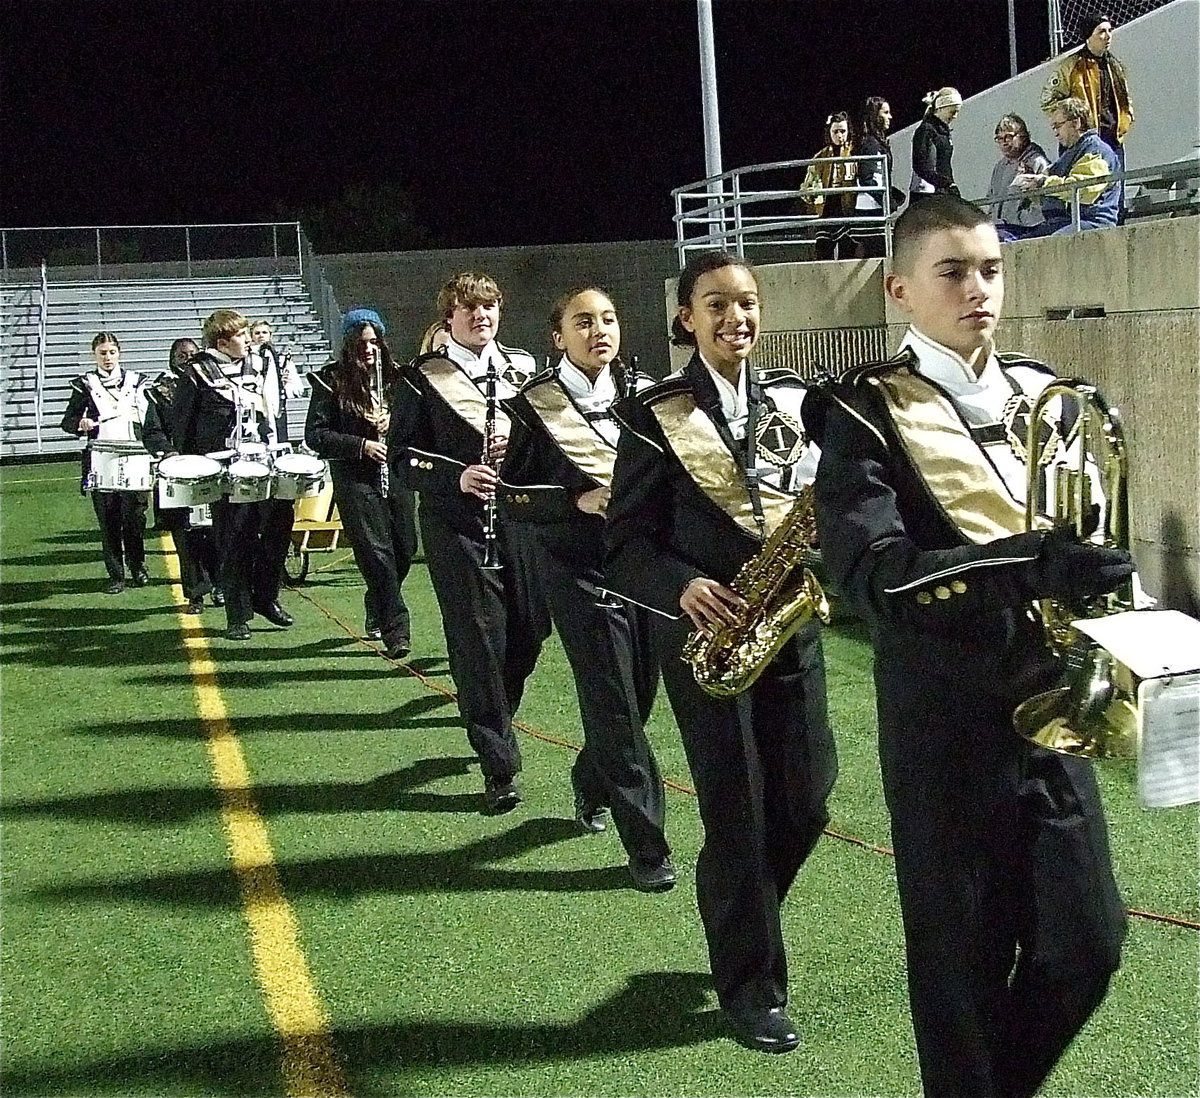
column 146, row 315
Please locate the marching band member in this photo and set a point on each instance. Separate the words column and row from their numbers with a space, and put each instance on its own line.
column 494, row 619
column 221, row 405
column 348, row 425
column 290, row 383
column 193, row 544
column 559, row 464
column 1012, row 919
column 709, row 461
column 108, row 404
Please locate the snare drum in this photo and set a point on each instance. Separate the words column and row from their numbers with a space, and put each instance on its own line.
column 188, row 480
column 248, row 481
column 121, row 467
column 298, row 476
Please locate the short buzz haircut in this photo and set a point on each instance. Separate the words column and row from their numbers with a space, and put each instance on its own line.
column 470, row 289
column 1073, row 109
column 222, row 324
column 927, row 216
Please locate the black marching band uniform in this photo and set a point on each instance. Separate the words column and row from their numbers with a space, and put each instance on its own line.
column 1012, row 919
column 494, row 620
column 116, row 403
column 763, row 762
column 194, row 543
column 224, row 405
column 563, row 444
column 376, row 513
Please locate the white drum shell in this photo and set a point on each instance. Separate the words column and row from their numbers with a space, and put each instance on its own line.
column 113, row 471
column 298, row 476
column 189, row 480
column 248, row 481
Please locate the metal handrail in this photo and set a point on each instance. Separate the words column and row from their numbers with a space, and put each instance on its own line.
column 721, row 205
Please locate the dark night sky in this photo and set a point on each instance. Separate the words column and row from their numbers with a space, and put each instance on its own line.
column 507, row 121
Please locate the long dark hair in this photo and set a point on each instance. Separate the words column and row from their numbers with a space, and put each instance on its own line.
column 352, row 380
column 698, row 265
column 872, row 121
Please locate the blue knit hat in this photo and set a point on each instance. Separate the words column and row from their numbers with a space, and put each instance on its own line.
column 363, row 316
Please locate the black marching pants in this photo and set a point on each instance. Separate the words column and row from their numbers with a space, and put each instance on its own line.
column 196, row 550
column 495, row 623
column 122, row 519
column 252, row 541
column 763, row 764
column 1012, row 920
column 383, row 535
column 615, row 678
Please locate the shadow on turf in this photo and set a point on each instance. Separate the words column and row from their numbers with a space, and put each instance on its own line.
column 469, row 868
column 654, row 1010
column 398, row 791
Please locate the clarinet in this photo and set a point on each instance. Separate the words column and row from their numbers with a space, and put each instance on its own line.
column 383, row 466
column 491, row 539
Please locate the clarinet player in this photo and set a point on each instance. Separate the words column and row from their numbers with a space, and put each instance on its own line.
column 347, row 425
column 709, row 463
column 445, row 441
column 559, row 464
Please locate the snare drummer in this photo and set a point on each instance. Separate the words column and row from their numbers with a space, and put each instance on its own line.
column 222, row 405
column 347, row 424
column 194, row 543
column 108, row 404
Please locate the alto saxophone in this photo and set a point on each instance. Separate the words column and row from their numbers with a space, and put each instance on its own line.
column 781, row 594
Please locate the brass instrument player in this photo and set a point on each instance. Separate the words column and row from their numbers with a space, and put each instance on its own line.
column 709, row 462
column 495, row 619
column 347, row 425
column 1012, row 919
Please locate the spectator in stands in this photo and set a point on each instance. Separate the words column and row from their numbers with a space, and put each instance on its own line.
column 290, row 382
column 876, row 121
column 1014, row 211
column 830, row 169
column 1094, row 75
column 1086, row 157
column 932, row 147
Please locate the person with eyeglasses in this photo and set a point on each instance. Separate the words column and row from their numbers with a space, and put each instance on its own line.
column 1013, row 211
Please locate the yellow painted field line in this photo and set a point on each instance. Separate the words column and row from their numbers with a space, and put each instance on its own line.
column 309, row 1065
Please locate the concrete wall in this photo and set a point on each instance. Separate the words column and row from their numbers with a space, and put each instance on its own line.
column 1161, row 53
column 404, row 286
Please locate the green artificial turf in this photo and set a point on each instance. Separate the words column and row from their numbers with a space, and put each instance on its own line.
column 455, row 954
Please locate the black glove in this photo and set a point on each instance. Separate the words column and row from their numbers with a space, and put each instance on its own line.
column 1073, row 570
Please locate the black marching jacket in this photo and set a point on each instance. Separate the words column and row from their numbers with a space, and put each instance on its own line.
column 336, row 433
column 948, row 587
column 204, row 409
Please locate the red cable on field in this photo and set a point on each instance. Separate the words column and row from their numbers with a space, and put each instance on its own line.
column 677, row 786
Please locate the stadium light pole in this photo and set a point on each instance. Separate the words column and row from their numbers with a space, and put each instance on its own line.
column 708, row 98
column 1012, row 38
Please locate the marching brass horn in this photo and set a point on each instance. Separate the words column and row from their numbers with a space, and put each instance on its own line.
column 1094, row 713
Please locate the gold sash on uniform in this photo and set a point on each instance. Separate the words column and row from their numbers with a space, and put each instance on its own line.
column 951, row 462
column 695, row 441
column 581, row 444
column 461, row 393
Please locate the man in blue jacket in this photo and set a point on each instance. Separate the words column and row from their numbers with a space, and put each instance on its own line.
column 1085, row 157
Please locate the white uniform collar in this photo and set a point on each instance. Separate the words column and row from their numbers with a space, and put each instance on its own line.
column 591, row 394
column 734, row 405
column 474, row 364
column 948, row 368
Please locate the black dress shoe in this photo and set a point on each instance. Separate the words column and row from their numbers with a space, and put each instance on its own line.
column 500, row 796
column 115, row 587
column 397, row 646
column 141, row 577
column 652, row 876
column 239, row 631
column 218, row 598
column 275, row 614
column 588, row 814
column 195, row 606
column 765, row 1029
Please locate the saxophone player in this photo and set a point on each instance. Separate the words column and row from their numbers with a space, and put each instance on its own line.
column 1012, row 920
column 495, row 619
column 559, row 464
column 708, row 463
